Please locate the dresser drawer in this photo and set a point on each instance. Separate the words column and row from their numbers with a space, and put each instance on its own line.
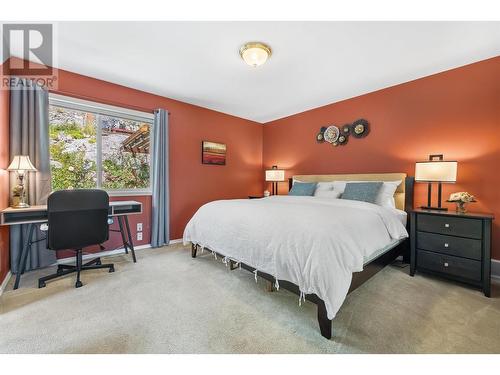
column 457, row 246
column 455, row 226
column 450, row 265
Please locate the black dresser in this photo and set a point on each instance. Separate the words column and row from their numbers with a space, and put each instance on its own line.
column 453, row 245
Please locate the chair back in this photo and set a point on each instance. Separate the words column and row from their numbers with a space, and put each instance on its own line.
column 77, row 218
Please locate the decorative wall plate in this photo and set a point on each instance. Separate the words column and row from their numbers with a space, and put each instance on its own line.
column 339, row 137
column 331, row 134
column 342, row 139
column 360, row 128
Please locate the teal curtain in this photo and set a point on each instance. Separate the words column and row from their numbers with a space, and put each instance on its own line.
column 29, row 135
column 160, row 232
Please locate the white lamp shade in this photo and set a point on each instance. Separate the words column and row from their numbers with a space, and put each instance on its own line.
column 21, row 163
column 436, row 171
column 275, row 175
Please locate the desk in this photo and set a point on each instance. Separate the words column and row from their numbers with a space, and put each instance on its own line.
column 38, row 214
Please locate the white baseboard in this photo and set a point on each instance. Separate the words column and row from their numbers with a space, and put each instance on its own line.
column 102, row 254
column 5, row 282
column 495, row 269
column 113, row 252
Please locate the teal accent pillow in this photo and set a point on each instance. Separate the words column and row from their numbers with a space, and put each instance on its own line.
column 303, row 188
column 362, row 191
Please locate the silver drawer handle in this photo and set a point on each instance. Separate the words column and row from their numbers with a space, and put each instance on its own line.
column 447, row 225
column 446, row 245
column 446, row 264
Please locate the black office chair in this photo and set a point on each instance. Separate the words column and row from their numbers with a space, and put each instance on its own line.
column 77, row 219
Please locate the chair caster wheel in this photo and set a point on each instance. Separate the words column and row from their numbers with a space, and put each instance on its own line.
column 78, row 284
column 111, row 269
column 98, row 263
column 41, row 284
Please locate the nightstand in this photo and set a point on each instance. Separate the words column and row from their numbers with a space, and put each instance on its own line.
column 452, row 245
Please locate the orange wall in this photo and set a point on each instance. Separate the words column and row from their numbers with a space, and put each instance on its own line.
column 456, row 113
column 4, row 179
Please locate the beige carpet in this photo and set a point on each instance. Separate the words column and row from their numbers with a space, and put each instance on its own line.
column 170, row 303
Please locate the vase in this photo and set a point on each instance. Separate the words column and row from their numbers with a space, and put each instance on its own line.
column 462, row 207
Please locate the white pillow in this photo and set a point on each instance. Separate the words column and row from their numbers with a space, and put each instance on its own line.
column 332, row 194
column 386, row 194
column 385, row 197
column 340, row 185
column 324, row 186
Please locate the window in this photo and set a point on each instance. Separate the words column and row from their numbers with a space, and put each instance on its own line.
column 98, row 146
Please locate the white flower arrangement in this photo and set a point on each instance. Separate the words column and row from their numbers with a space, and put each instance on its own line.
column 461, row 196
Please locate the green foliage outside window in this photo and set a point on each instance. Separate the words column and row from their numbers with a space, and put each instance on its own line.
column 72, row 168
column 124, row 171
column 73, row 130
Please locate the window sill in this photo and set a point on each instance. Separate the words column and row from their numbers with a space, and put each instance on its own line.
column 130, row 193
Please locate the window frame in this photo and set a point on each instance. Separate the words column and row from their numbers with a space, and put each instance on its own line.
column 100, row 109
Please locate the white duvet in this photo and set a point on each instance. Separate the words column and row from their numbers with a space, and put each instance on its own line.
column 313, row 242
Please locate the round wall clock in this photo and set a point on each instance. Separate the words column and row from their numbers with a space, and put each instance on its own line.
column 331, row 134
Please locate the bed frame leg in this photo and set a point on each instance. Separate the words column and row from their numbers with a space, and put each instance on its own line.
column 194, row 248
column 269, row 286
column 325, row 324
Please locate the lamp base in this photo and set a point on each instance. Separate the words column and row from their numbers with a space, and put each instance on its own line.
column 20, row 205
column 434, row 208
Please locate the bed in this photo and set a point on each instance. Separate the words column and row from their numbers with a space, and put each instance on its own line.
column 319, row 248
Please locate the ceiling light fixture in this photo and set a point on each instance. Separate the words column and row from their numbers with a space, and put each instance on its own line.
column 255, row 53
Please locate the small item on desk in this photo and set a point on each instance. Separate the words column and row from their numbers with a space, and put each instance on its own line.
column 461, row 199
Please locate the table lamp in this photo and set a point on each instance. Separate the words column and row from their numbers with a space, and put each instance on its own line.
column 275, row 175
column 21, row 164
column 432, row 171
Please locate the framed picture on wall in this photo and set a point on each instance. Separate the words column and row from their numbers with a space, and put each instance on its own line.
column 213, row 153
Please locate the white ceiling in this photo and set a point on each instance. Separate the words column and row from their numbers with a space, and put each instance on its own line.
column 313, row 63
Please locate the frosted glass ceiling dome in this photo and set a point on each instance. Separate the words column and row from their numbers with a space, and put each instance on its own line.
column 255, row 53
